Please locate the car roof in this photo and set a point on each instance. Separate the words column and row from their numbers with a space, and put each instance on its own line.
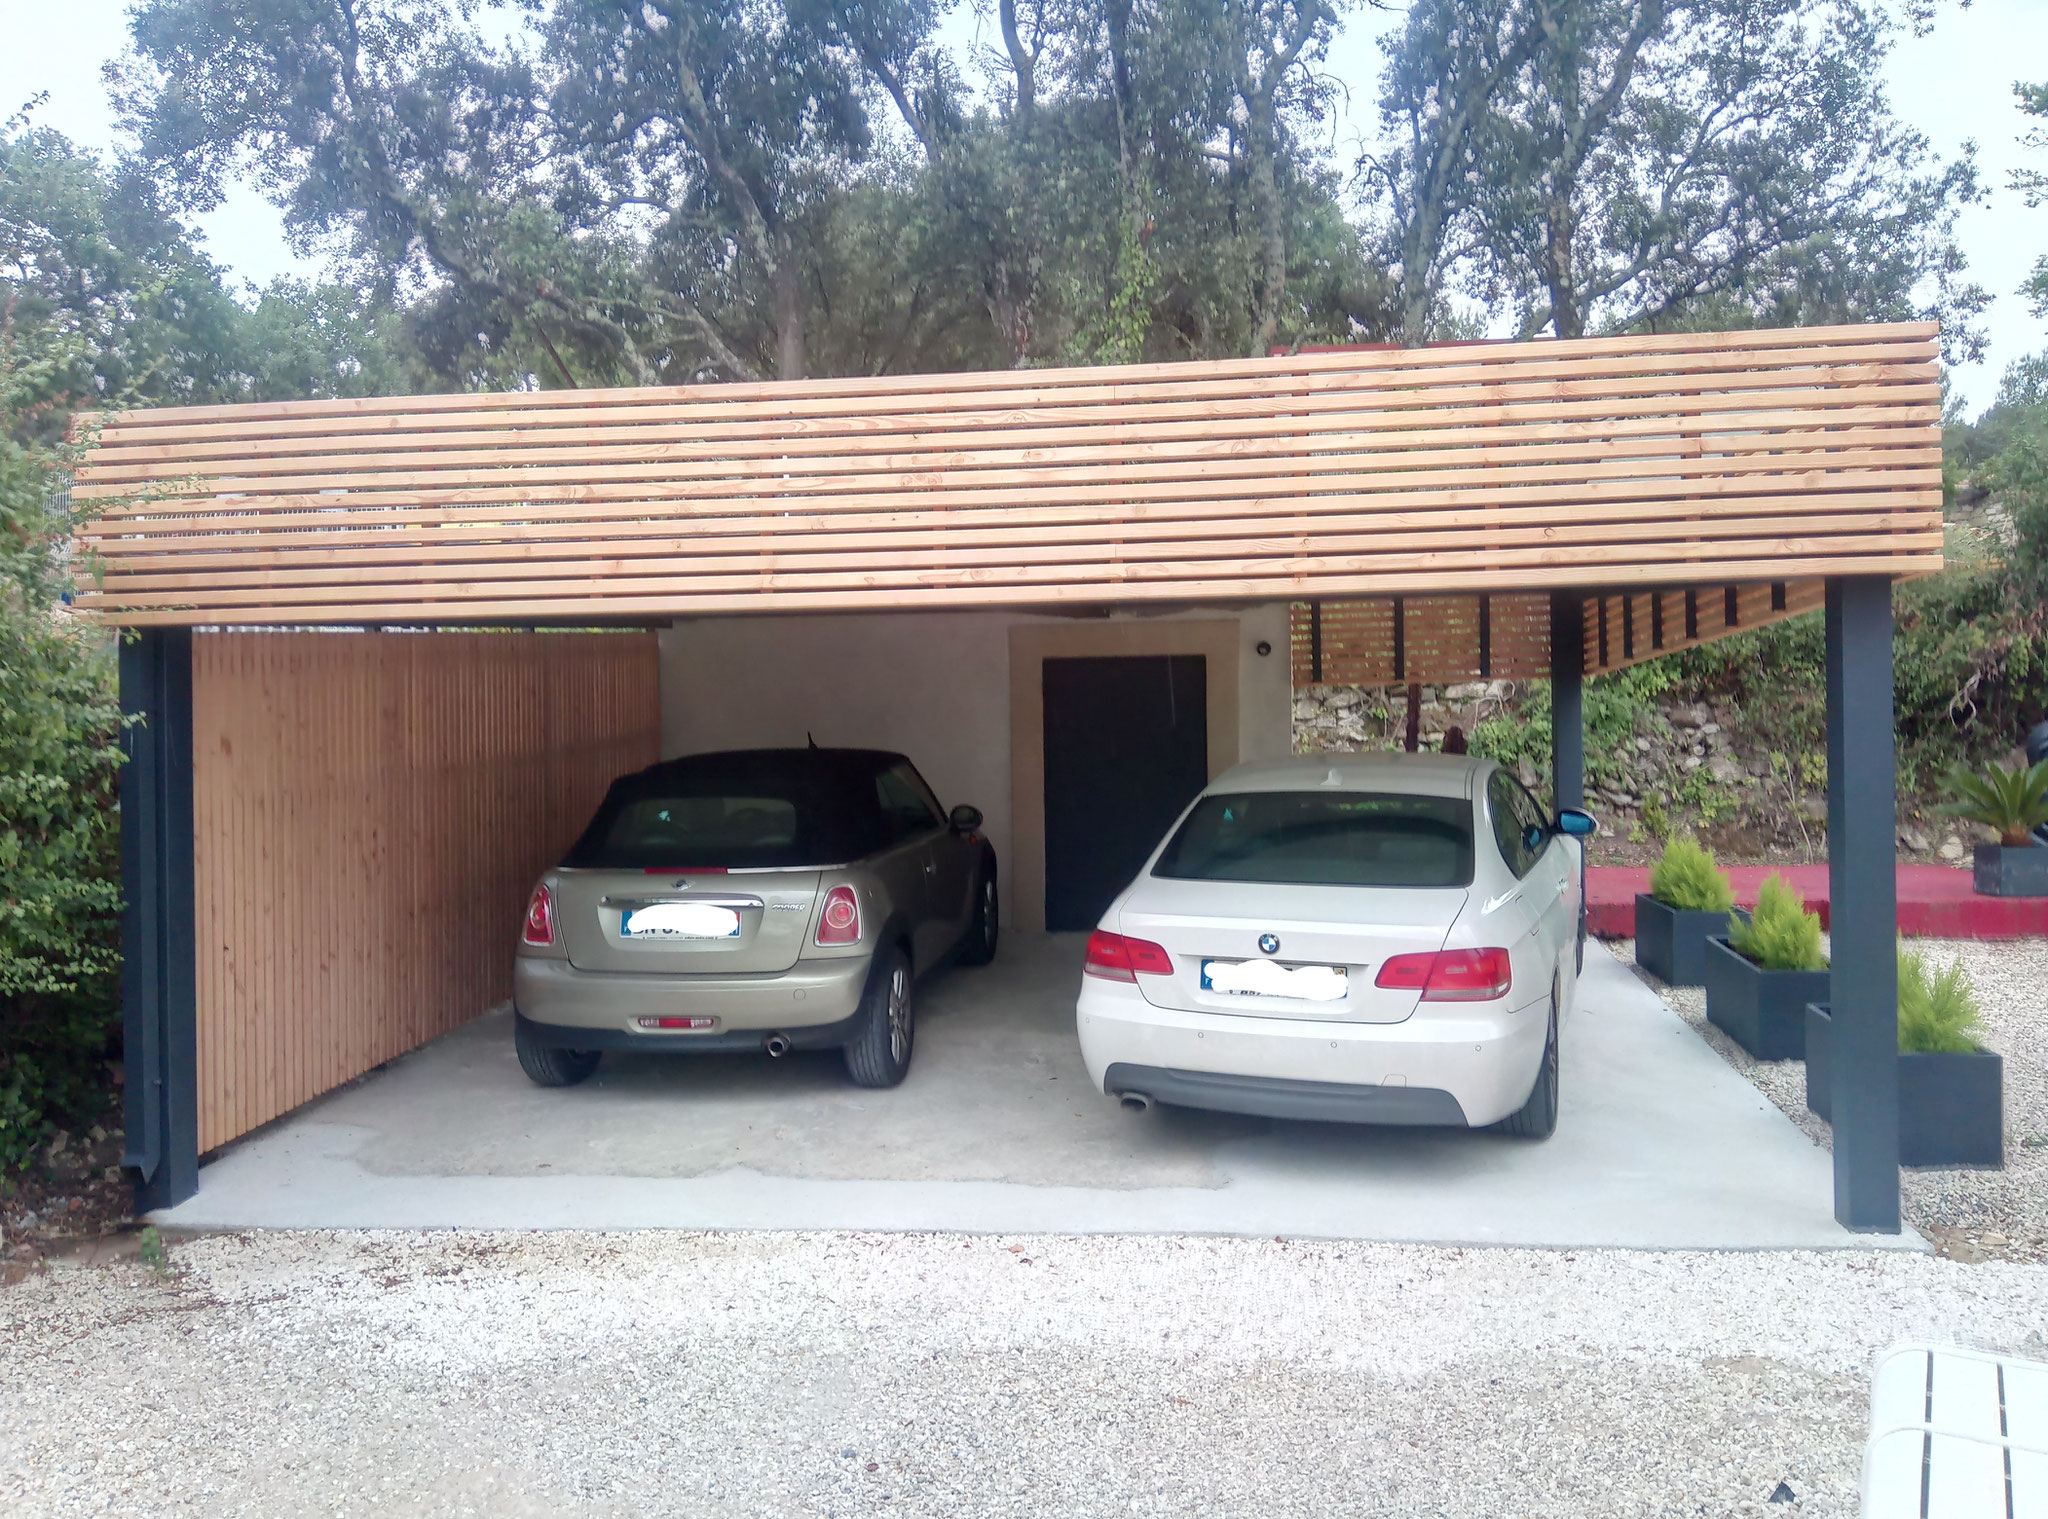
column 1371, row 770
column 829, row 766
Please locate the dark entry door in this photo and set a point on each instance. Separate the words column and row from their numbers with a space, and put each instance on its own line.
column 1126, row 748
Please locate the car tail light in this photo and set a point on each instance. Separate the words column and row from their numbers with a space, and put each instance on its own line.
column 1450, row 975
column 540, row 918
column 1116, row 958
column 676, row 1023
column 839, row 923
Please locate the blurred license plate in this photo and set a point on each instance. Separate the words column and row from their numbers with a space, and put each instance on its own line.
column 679, row 920
column 1263, row 978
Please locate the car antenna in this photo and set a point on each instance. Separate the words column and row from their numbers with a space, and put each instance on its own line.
column 807, row 734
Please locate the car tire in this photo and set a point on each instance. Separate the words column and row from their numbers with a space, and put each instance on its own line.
column 547, row 1066
column 1537, row 1118
column 880, row 1055
column 978, row 947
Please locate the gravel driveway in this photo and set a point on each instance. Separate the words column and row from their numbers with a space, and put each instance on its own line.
column 1972, row 1214
column 851, row 1374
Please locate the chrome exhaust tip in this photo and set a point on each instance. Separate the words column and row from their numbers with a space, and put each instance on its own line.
column 777, row 1045
column 1135, row 1102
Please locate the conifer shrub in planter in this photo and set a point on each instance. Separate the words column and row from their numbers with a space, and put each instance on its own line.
column 2012, row 803
column 1688, row 902
column 1762, row 975
column 1951, row 1089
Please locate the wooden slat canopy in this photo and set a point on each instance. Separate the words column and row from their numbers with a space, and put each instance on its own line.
column 1694, row 459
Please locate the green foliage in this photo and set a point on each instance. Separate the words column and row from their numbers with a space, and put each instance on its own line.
column 1938, row 1012
column 150, row 1247
column 1780, row 934
column 1687, row 878
column 1570, row 166
column 2011, row 801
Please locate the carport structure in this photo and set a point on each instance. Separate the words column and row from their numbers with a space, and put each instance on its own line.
column 385, row 653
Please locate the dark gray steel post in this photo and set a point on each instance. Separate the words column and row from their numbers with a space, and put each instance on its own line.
column 1567, row 708
column 1863, row 904
column 158, row 993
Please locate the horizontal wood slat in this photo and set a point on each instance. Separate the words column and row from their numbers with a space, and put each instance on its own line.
column 1695, row 458
column 369, row 814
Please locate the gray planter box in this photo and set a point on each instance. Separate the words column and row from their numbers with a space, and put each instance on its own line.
column 1764, row 1011
column 2019, row 870
column 1672, row 945
column 1951, row 1107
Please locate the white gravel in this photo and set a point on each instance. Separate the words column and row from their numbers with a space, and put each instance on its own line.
column 849, row 1375
column 1970, row 1213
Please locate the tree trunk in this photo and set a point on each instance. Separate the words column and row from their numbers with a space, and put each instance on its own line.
column 1265, row 192
column 789, row 319
column 1567, row 318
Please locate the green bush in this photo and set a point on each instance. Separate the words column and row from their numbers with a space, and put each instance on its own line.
column 1780, row 934
column 1937, row 1008
column 59, row 877
column 1687, row 878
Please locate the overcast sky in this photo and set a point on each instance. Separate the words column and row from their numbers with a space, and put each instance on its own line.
column 1955, row 86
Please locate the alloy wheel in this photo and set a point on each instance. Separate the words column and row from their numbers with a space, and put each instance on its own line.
column 899, row 1014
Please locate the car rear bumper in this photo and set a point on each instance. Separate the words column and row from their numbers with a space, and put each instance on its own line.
column 809, row 994
column 1272, row 1097
column 561, row 1036
column 1473, row 1063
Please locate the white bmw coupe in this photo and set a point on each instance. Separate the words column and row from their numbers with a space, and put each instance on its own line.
column 1365, row 938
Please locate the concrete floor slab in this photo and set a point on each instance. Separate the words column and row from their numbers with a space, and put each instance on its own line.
column 1659, row 1143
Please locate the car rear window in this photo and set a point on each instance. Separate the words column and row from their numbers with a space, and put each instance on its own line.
column 778, row 817
column 662, row 825
column 1321, row 838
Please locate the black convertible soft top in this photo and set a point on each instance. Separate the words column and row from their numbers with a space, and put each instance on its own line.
column 837, row 816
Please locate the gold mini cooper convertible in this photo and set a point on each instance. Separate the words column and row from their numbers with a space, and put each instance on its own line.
column 768, row 899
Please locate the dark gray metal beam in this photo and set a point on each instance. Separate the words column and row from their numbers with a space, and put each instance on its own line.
column 158, row 990
column 1567, row 701
column 1863, row 904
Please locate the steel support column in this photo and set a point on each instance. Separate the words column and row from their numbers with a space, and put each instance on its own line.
column 159, row 1006
column 1567, row 708
column 1863, row 904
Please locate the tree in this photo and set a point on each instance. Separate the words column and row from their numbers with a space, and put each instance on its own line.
column 1269, row 49
column 384, row 126
column 2033, row 185
column 1666, row 163
column 1444, row 71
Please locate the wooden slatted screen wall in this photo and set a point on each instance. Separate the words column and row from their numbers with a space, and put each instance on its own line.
column 370, row 811
column 1626, row 629
column 1620, row 462
column 1433, row 640
column 1375, row 642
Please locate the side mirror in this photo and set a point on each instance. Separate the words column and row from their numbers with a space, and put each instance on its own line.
column 1576, row 824
column 966, row 819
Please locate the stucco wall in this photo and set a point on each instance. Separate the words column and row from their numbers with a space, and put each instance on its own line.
column 934, row 685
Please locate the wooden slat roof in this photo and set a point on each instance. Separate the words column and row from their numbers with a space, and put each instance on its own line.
column 1618, row 463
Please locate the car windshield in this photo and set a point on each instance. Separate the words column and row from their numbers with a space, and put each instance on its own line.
column 1321, row 838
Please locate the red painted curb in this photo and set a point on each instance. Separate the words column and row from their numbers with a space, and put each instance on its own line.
column 1935, row 902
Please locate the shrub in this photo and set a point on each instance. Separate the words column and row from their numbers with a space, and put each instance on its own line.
column 1937, row 1008
column 59, row 877
column 2010, row 802
column 1780, row 934
column 1688, row 879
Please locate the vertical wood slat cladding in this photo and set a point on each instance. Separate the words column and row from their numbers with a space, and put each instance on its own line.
column 1623, row 462
column 370, row 811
